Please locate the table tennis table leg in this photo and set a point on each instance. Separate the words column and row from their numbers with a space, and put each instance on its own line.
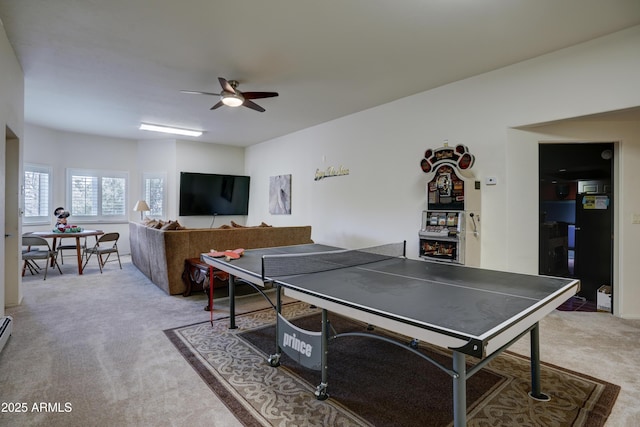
column 274, row 359
column 321, row 390
column 232, row 302
column 535, row 392
column 459, row 390
column 211, row 283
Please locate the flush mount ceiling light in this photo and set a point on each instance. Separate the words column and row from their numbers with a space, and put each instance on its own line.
column 232, row 99
column 171, row 130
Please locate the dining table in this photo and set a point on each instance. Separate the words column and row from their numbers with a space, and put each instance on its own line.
column 55, row 235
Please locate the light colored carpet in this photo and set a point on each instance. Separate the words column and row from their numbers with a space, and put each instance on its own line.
column 96, row 343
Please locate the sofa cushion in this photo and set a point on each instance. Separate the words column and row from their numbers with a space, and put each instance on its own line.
column 171, row 225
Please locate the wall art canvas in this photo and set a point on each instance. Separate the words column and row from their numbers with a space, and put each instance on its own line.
column 280, row 195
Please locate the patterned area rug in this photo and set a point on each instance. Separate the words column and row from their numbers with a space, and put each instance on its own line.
column 373, row 383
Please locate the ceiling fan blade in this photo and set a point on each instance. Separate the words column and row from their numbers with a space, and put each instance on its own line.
column 253, row 105
column 257, row 95
column 197, row 92
column 218, row 105
column 225, row 85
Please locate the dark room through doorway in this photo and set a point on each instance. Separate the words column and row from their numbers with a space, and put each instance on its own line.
column 576, row 213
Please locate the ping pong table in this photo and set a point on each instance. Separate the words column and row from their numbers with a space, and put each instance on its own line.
column 470, row 311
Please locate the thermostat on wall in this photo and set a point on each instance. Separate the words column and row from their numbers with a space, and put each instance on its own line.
column 491, row 180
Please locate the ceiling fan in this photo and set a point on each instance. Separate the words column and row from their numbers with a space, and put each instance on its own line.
column 232, row 97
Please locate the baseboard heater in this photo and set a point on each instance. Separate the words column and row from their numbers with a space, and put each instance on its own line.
column 5, row 330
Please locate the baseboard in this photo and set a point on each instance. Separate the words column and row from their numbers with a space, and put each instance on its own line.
column 6, row 325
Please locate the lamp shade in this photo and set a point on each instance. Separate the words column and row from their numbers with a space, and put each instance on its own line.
column 141, row 206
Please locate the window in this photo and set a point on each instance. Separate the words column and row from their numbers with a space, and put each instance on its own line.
column 153, row 192
column 97, row 195
column 37, row 194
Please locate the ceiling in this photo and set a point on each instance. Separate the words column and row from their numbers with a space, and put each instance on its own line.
column 102, row 67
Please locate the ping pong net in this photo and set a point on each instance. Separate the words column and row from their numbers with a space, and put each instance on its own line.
column 282, row 265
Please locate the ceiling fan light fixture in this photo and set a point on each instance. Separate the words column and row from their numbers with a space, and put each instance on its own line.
column 232, row 99
column 168, row 129
column 230, row 96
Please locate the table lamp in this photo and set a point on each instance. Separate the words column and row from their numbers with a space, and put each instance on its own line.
column 141, row 206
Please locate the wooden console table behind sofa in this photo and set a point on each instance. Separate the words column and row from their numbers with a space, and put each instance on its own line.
column 160, row 254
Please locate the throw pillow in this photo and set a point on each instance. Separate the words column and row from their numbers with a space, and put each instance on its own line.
column 171, row 225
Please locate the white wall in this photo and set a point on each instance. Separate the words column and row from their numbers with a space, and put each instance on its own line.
column 174, row 156
column 206, row 158
column 382, row 198
column 626, row 135
column 158, row 157
column 63, row 150
column 12, row 118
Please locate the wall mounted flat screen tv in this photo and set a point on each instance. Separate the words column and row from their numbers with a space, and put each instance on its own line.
column 213, row 194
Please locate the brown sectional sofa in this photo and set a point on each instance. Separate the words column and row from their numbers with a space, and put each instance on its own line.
column 160, row 254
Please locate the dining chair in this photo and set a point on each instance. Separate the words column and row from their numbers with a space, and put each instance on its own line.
column 38, row 248
column 32, row 265
column 72, row 247
column 106, row 244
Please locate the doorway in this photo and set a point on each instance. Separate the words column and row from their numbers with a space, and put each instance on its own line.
column 576, row 213
column 10, row 218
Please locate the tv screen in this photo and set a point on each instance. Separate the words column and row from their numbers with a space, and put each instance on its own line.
column 213, row 194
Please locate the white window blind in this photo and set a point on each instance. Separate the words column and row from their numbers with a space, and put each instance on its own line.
column 37, row 193
column 154, row 190
column 113, row 196
column 97, row 195
column 84, row 195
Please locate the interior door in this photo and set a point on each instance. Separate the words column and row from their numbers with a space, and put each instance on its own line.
column 593, row 242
